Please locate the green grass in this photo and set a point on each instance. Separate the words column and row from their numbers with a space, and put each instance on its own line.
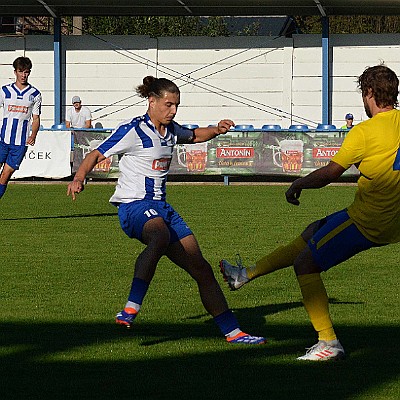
column 66, row 270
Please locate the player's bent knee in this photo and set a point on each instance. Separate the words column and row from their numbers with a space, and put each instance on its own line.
column 305, row 264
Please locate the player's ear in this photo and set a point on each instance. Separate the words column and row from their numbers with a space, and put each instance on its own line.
column 152, row 101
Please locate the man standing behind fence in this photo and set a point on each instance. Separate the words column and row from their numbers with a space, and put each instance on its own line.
column 78, row 116
column 21, row 103
column 349, row 121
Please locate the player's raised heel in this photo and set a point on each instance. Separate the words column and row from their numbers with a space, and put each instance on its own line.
column 234, row 275
column 244, row 338
column 126, row 317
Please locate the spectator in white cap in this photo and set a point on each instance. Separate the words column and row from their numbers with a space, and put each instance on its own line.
column 349, row 121
column 78, row 116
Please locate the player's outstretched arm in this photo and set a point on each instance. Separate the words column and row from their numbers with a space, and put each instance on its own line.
column 315, row 180
column 204, row 134
column 78, row 184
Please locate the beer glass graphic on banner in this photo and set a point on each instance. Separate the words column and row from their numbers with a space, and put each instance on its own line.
column 289, row 156
column 102, row 166
column 193, row 156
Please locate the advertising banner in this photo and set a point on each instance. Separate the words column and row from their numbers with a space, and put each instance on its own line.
column 48, row 158
column 235, row 153
column 85, row 142
column 259, row 153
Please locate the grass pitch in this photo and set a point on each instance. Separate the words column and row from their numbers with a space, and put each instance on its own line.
column 66, row 270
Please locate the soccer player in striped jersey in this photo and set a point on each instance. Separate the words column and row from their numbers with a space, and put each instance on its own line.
column 146, row 145
column 21, row 104
column 372, row 220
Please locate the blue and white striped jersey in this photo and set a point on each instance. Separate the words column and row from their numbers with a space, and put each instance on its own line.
column 146, row 157
column 18, row 107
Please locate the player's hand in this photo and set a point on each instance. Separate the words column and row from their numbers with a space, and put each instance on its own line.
column 224, row 126
column 75, row 187
column 293, row 194
column 31, row 140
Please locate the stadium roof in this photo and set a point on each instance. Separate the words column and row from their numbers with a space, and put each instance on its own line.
column 59, row 8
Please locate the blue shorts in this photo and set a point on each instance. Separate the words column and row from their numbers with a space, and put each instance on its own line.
column 12, row 155
column 133, row 216
column 336, row 240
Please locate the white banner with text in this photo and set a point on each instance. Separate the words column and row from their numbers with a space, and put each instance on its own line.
column 48, row 158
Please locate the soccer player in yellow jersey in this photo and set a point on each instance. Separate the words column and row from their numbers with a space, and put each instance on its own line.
column 372, row 220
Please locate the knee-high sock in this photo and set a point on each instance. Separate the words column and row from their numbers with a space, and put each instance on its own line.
column 281, row 257
column 136, row 295
column 315, row 301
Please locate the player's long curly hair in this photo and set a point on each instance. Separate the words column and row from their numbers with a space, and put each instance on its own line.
column 383, row 84
column 156, row 87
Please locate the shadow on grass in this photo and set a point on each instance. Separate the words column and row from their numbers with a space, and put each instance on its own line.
column 62, row 216
column 34, row 368
column 254, row 317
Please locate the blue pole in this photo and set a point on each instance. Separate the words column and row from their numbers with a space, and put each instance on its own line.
column 325, row 71
column 57, row 71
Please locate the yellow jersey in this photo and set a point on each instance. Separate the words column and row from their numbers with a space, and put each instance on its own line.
column 373, row 146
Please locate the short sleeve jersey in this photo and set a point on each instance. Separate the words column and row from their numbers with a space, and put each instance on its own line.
column 374, row 147
column 78, row 119
column 146, row 157
column 18, row 108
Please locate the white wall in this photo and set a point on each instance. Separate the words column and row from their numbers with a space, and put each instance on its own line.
column 252, row 80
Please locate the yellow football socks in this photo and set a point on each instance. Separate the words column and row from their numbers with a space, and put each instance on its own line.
column 281, row 257
column 315, row 301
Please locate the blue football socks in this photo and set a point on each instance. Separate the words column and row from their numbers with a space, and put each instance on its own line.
column 227, row 322
column 138, row 290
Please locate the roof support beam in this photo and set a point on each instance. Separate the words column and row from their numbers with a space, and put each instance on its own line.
column 185, row 6
column 48, row 8
column 320, row 8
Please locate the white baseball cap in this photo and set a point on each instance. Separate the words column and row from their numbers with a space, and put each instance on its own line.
column 76, row 99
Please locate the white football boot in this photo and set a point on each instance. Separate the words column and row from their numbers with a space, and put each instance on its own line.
column 234, row 275
column 324, row 351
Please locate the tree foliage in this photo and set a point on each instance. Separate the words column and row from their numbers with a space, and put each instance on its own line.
column 156, row 26
column 351, row 24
